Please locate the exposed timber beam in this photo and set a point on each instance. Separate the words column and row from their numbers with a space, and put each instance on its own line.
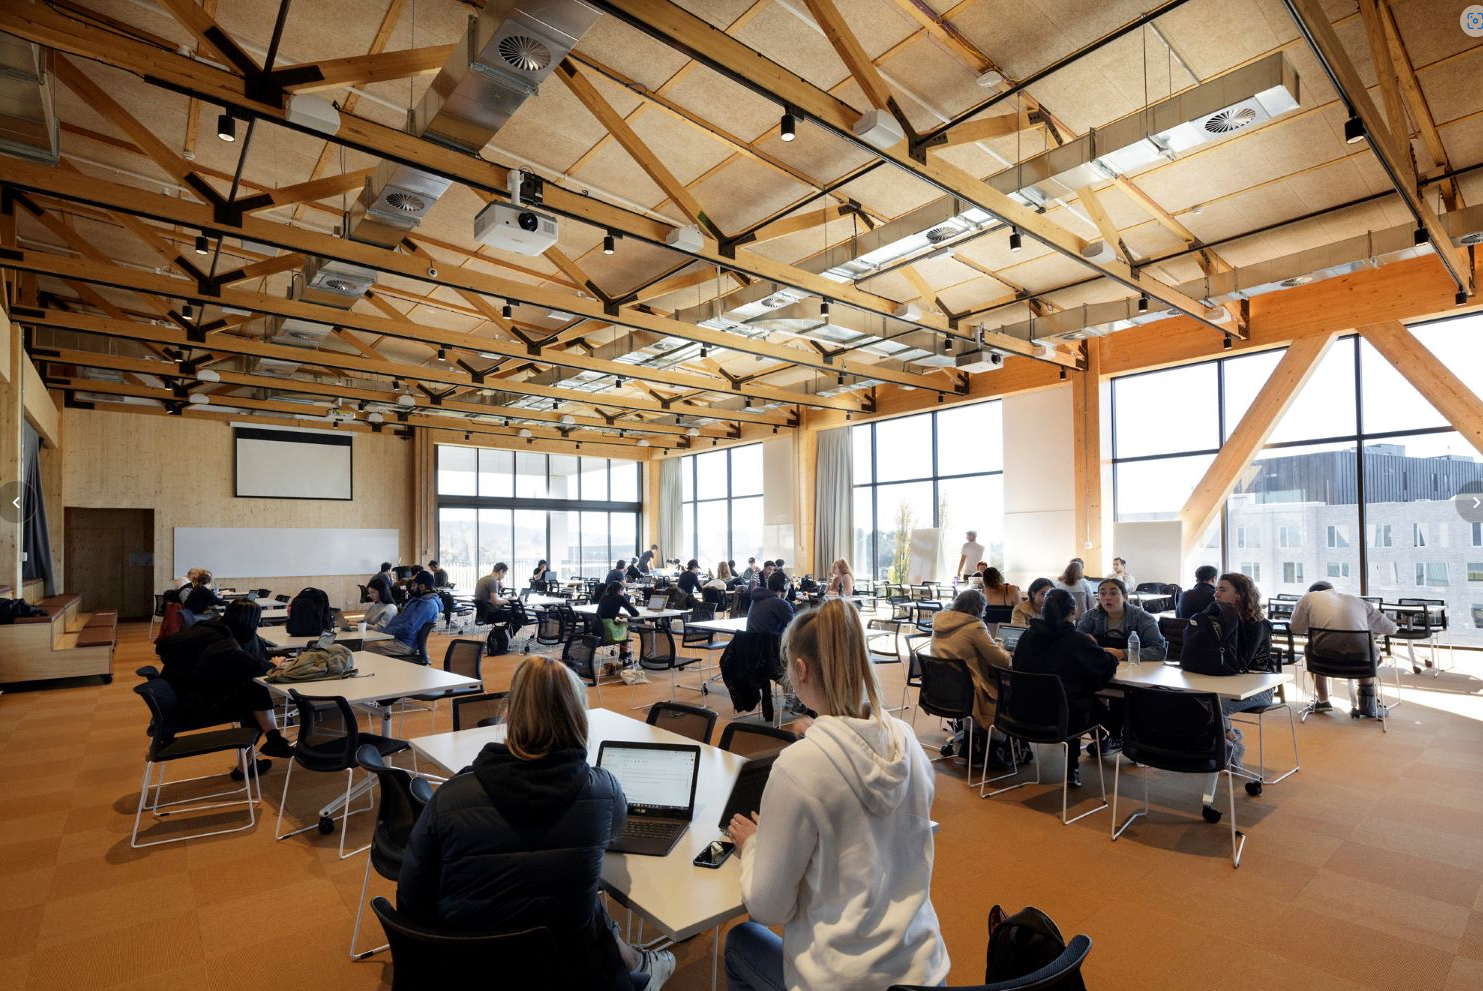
column 359, row 70
column 1430, row 377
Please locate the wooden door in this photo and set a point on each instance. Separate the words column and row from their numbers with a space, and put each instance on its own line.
column 110, row 559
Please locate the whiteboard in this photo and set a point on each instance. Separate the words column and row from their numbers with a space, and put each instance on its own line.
column 282, row 552
column 928, row 561
column 291, row 464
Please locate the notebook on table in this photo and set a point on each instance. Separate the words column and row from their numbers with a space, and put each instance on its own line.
column 658, row 779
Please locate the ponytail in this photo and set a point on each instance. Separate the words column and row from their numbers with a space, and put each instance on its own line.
column 831, row 642
column 1059, row 608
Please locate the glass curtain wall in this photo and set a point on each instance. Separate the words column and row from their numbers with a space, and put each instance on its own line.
column 1359, row 483
column 940, row 469
column 579, row 514
column 721, row 506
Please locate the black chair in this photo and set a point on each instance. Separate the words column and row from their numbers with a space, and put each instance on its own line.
column 165, row 746
column 422, row 959
column 689, row 721
column 282, row 598
column 552, row 628
column 465, row 657
column 752, row 740
column 946, row 691
column 1033, row 707
column 365, row 596
column 403, row 798
column 580, row 654
column 1062, row 969
column 915, row 642
column 1427, row 622
column 1183, row 732
column 483, row 709
column 329, row 740
column 657, row 653
column 158, row 616
column 1346, row 654
column 423, row 633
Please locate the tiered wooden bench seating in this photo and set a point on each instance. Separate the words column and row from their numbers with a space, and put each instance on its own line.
column 65, row 643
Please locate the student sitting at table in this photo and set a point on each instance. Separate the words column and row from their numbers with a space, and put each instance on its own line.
column 385, row 580
column 769, row 613
column 212, row 665
column 1074, row 582
column 1120, row 572
column 689, row 582
column 491, row 607
column 617, row 574
column 1113, row 619
column 751, row 571
column 516, row 840
column 1197, row 598
column 1000, row 597
column 541, row 575
column 1029, row 608
column 615, row 601
column 959, row 633
column 1052, row 645
column 1327, row 609
column 379, row 611
column 841, row 579
column 201, row 598
column 841, row 852
column 633, row 573
column 423, row 606
column 440, row 576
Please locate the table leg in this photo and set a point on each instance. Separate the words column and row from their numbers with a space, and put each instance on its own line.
column 715, row 954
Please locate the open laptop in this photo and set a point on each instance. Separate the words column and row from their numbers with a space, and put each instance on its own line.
column 658, row 600
column 1010, row 636
column 746, row 794
column 658, row 780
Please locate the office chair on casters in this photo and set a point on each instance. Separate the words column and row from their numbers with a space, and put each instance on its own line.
column 1183, row 732
column 403, row 798
column 1033, row 707
column 1046, row 978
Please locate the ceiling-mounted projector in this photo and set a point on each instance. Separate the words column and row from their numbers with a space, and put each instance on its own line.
column 516, row 229
column 879, row 129
column 980, row 360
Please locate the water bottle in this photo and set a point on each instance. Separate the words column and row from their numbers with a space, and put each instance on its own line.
column 1133, row 645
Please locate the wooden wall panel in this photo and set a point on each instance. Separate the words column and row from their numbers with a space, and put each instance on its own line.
column 183, row 470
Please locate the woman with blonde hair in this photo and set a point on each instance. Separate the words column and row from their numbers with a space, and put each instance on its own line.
column 841, row 852
column 841, row 579
column 516, row 840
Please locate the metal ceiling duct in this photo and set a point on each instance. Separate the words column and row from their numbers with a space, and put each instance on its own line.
column 1236, row 101
column 28, row 114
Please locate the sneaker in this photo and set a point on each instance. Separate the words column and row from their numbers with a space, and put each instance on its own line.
column 259, row 768
column 1074, row 778
column 276, row 746
column 1324, row 706
column 1109, row 745
column 659, row 965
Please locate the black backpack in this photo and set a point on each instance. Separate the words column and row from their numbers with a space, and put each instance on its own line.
column 309, row 613
column 1212, row 643
column 1021, row 944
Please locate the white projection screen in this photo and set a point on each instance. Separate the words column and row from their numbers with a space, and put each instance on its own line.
column 290, row 464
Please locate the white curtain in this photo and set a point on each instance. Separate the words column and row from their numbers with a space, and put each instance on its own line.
column 670, row 519
column 834, row 526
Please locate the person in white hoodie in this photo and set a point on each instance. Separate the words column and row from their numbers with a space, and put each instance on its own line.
column 841, row 853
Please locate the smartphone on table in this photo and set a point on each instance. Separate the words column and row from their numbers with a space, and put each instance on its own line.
column 715, row 854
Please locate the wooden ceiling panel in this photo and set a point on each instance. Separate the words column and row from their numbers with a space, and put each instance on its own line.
column 1046, row 272
column 1214, row 35
column 1308, row 234
column 976, row 161
column 877, row 24
column 892, row 284
column 931, row 71
column 685, row 151
column 1430, row 30
column 729, row 105
column 553, row 129
column 1108, row 83
column 745, row 192
column 992, row 252
column 631, row 52
column 611, row 170
column 888, row 192
column 1151, row 240
column 1019, row 36
column 814, row 152
column 721, row 13
column 1464, row 143
column 1452, row 88
column 795, row 45
column 632, row 263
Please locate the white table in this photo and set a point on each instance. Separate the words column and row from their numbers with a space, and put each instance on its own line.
column 1157, row 674
column 538, row 601
column 736, row 624
column 279, row 637
column 674, row 895
column 590, row 609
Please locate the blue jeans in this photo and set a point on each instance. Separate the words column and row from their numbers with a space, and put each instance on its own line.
column 754, row 959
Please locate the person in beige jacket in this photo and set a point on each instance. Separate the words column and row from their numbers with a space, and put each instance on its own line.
column 959, row 633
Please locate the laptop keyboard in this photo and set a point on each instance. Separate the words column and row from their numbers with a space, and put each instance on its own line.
column 643, row 828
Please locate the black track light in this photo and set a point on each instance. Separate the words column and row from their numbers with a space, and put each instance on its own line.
column 609, row 244
column 1227, row 343
column 947, row 346
column 841, row 378
column 1014, row 239
column 555, row 405
column 1143, row 302
column 1354, row 131
column 188, row 312
column 774, row 429
column 507, row 311
column 1462, row 297
column 618, row 382
column 1420, row 237
column 201, row 245
column 747, row 403
column 226, row 127
column 824, row 309
column 788, row 127
column 705, row 350
column 1063, row 374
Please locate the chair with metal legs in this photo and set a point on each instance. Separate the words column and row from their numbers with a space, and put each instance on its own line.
column 483, row 709
column 1033, row 707
column 1427, row 623
column 915, row 643
column 690, row 721
column 657, row 653
column 329, row 738
column 165, row 746
column 1349, row 655
column 947, row 692
column 1169, row 730
column 403, row 798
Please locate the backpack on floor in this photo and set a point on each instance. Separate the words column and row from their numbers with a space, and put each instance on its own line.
column 1021, row 944
column 1212, row 643
column 309, row 613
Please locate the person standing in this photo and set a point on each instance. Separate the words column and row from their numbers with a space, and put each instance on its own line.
column 649, row 559
column 970, row 555
column 841, row 852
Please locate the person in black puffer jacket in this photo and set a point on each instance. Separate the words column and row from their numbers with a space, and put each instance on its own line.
column 517, row 839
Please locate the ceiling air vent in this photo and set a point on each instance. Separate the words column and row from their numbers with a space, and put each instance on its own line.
column 939, row 234
column 524, row 52
column 406, row 202
column 773, row 302
column 1229, row 120
column 1299, row 280
column 1476, row 237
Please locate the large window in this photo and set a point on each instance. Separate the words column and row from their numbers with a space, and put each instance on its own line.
column 579, row 514
column 940, row 469
column 721, row 506
column 1356, row 484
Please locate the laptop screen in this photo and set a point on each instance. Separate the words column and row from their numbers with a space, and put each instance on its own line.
column 657, row 777
column 1010, row 635
column 657, row 602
